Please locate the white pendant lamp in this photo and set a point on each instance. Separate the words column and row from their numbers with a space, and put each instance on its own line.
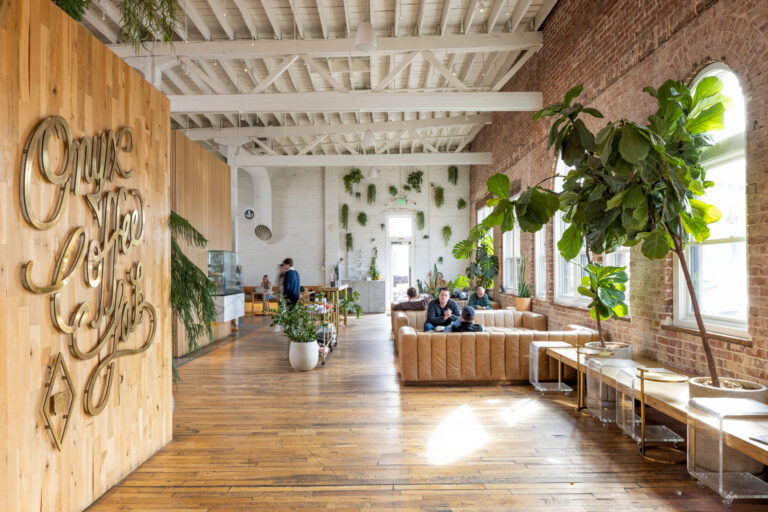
column 365, row 37
column 369, row 139
column 373, row 174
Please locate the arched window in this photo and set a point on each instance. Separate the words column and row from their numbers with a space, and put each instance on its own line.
column 719, row 264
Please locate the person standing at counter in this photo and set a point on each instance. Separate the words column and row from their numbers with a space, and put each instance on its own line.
column 291, row 281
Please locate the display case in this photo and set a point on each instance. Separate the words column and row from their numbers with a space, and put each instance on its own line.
column 723, row 469
column 224, row 272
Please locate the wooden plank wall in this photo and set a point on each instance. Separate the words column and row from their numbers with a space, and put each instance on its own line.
column 49, row 65
column 200, row 192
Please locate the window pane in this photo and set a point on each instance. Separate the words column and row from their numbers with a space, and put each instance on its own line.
column 729, row 195
column 400, row 227
column 735, row 118
column 719, row 273
column 540, row 265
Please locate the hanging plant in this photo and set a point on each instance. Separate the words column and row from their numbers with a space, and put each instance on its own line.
column 345, row 216
column 453, row 174
column 461, row 204
column 392, row 190
column 425, row 237
column 439, row 196
column 382, row 227
column 75, row 8
column 371, row 193
column 407, row 188
column 420, row 220
column 362, row 218
column 440, row 260
column 146, row 20
column 415, row 179
column 358, row 195
column 352, row 177
column 446, row 234
column 349, row 242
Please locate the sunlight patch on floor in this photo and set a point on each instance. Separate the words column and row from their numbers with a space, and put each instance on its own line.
column 458, row 435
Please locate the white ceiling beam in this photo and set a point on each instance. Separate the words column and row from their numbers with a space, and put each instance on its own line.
column 420, row 17
column 443, row 70
column 346, row 145
column 426, row 144
column 221, row 16
column 395, row 140
column 272, row 17
column 109, row 9
column 296, row 19
column 263, row 146
column 215, row 85
column 413, row 159
column 487, row 66
column 347, row 29
column 544, row 10
column 317, row 68
column 444, row 17
column 314, row 144
column 470, row 137
column 96, row 22
column 274, row 74
column 341, row 128
column 339, row 48
column 230, row 71
column 514, row 69
column 517, row 15
column 466, row 67
column 469, row 16
column 194, row 15
column 242, row 6
column 397, row 18
column 493, row 16
column 407, row 59
column 359, row 102
column 321, row 16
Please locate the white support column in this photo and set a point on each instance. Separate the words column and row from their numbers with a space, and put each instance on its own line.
column 332, row 230
column 232, row 162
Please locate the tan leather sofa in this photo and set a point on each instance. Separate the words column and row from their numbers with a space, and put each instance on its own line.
column 507, row 318
column 460, row 303
column 485, row 357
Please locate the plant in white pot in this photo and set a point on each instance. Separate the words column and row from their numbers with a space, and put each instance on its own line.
column 299, row 324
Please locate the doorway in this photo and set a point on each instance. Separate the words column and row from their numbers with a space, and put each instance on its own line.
column 400, row 237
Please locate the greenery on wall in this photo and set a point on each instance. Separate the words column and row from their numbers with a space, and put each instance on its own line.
column 371, row 193
column 345, row 216
column 358, row 195
column 485, row 267
column 439, row 196
column 415, row 180
column 351, row 178
column 453, row 174
column 392, row 190
column 382, row 227
column 348, row 242
column 446, row 233
column 461, row 204
column 407, row 188
column 420, row 220
column 362, row 218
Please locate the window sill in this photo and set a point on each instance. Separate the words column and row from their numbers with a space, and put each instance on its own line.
column 745, row 342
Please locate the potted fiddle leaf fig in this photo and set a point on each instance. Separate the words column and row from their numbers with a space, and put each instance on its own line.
column 605, row 287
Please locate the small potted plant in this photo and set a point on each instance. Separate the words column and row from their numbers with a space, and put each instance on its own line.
column 523, row 299
column 299, row 324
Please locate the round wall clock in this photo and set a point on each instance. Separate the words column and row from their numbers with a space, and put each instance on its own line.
column 249, row 214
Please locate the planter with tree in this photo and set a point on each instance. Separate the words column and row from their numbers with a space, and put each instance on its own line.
column 299, row 324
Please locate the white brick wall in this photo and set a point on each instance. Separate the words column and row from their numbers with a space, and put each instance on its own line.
column 306, row 208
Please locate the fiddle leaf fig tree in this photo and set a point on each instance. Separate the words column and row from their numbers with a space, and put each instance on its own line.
column 605, row 287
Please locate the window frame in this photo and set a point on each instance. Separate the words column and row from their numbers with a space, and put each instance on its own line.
column 727, row 150
column 511, row 240
column 540, row 262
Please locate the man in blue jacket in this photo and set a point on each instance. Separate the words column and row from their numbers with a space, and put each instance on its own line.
column 442, row 311
column 291, row 281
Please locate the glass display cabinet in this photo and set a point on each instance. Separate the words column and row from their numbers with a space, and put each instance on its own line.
column 601, row 398
column 224, row 271
column 539, row 374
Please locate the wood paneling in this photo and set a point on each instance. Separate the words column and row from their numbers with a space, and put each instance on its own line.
column 200, row 192
column 49, row 65
column 347, row 436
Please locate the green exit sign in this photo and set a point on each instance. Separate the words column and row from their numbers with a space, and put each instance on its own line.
column 401, row 201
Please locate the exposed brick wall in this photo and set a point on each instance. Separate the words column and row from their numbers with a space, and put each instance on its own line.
column 615, row 48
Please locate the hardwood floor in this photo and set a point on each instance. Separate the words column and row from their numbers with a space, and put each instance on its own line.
column 251, row 434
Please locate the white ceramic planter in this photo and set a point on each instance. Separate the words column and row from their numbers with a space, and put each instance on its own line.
column 707, row 455
column 303, row 356
column 620, row 350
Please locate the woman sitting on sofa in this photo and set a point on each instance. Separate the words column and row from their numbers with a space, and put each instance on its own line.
column 479, row 299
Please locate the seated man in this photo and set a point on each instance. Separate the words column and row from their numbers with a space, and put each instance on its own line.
column 479, row 299
column 442, row 311
column 467, row 323
column 414, row 302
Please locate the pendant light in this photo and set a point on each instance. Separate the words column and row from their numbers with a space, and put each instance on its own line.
column 369, row 139
column 365, row 37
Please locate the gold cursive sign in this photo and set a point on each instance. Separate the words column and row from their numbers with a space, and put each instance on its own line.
column 119, row 306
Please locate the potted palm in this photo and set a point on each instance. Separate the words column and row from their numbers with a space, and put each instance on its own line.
column 523, row 299
column 299, row 324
